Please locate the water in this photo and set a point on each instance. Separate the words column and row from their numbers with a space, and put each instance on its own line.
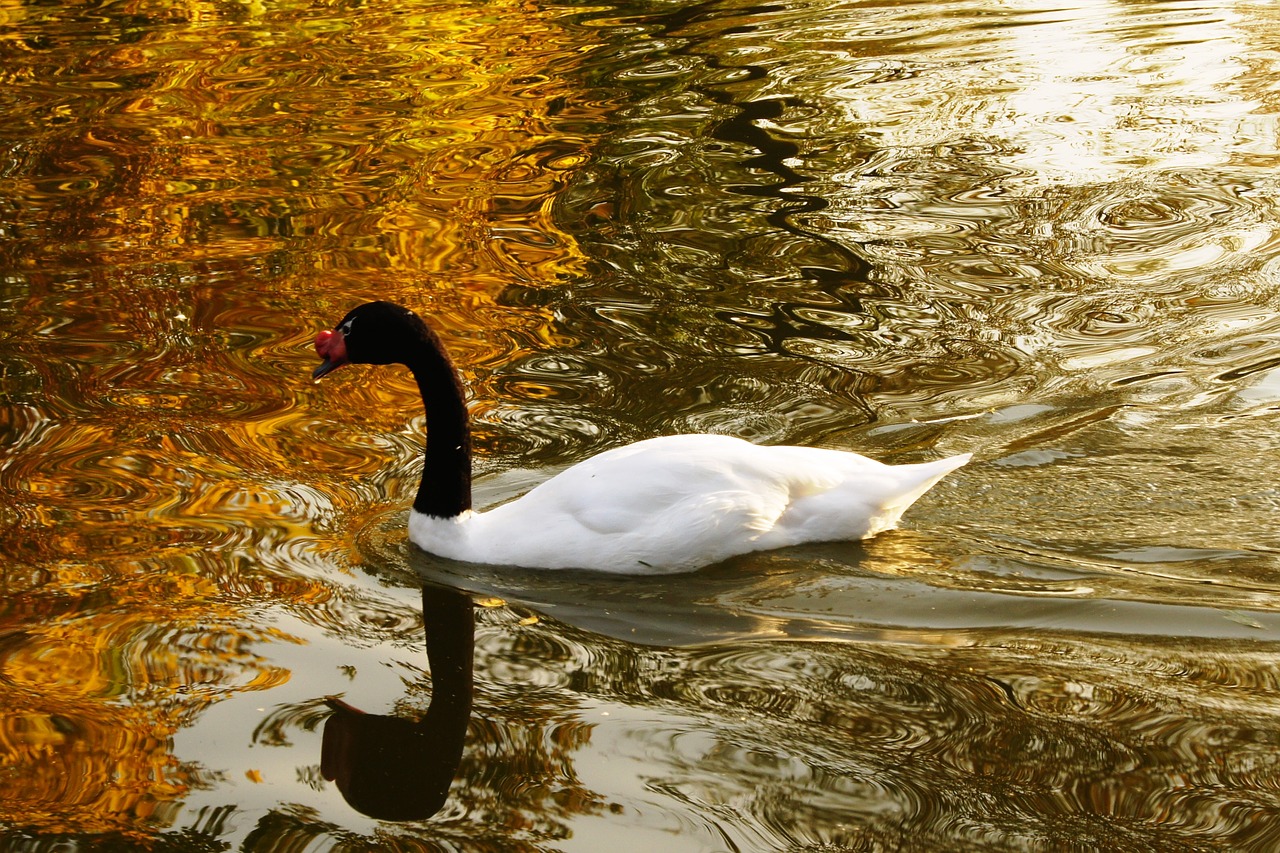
column 1041, row 233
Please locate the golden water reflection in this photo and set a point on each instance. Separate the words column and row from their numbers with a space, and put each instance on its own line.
column 182, row 186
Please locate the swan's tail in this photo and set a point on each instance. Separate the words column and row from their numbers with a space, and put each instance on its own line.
column 916, row 480
column 929, row 473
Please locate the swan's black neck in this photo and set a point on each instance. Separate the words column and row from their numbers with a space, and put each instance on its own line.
column 445, row 490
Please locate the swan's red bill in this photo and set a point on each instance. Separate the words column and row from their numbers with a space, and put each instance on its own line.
column 332, row 347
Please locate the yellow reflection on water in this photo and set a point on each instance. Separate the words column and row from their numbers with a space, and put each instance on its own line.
column 195, row 193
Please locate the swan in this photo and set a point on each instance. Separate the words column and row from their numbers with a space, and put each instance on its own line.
column 662, row 505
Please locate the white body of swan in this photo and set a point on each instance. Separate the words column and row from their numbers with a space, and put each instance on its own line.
column 662, row 505
column 679, row 502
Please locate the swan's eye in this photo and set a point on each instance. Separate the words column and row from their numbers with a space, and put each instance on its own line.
column 345, row 328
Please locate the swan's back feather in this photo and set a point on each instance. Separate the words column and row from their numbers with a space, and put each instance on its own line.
column 679, row 502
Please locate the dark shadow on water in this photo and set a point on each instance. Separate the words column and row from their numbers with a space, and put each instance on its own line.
column 902, row 587
column 709, row 606
column 392, row 768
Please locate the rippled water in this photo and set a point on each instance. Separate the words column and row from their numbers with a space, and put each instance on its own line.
column 1043, row 234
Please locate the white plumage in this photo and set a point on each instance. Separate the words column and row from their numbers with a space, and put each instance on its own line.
column 675, row 503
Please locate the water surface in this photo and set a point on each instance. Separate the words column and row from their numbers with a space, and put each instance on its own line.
column 1043, row 234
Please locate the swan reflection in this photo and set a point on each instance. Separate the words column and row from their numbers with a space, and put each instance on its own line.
column 392, row 768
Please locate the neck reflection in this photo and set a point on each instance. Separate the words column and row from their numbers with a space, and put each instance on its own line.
column 396, row 769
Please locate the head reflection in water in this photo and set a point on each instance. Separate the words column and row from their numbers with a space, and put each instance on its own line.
column 395, row 769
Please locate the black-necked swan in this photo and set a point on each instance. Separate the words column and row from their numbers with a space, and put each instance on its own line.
column 667, row 504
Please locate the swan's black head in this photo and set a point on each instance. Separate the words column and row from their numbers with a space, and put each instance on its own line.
column 385, row 333
column 373, row 333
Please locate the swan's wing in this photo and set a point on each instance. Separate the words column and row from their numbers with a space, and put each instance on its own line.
column 678, row 502
column 767, row 496
column 675, row 479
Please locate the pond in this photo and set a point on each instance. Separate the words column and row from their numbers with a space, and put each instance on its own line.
column 1045, row 234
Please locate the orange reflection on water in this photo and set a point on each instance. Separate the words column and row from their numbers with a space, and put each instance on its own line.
column 388, row 138
column 94, row 691
column 195, row 193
